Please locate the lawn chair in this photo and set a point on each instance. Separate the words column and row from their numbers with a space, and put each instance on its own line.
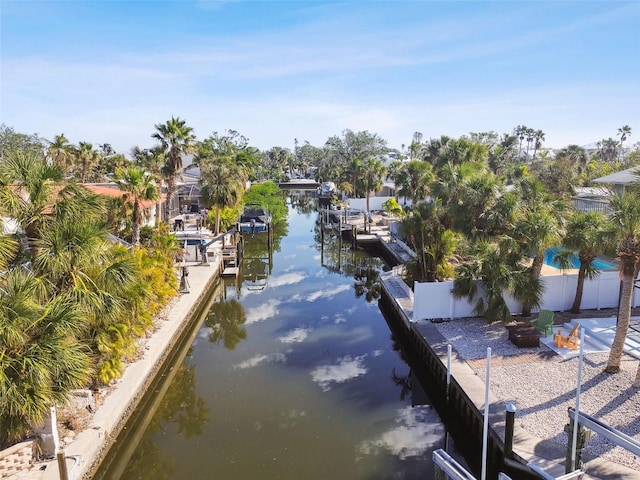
column 544, row 322
column 568, row 341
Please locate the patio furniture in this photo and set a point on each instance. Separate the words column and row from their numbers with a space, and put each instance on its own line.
column 568, row 341
column 524, row 336
column 544, row 322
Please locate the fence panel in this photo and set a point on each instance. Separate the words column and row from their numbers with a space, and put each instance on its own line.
column 435, row 300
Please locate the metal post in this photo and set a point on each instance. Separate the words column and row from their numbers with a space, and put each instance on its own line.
column 485, row 428
column 446, row 430
column 574, row 441
column 508, row 433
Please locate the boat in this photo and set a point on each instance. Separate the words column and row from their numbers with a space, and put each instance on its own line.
column 327, row 190
column 254, row 219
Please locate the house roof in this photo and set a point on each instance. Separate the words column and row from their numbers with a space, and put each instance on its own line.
column 623, row 177
column 191, row 190
column 114, row 191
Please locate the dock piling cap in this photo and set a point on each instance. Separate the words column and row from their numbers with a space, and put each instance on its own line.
column 511, row 408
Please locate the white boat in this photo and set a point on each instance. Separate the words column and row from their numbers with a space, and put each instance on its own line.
column 327, row 189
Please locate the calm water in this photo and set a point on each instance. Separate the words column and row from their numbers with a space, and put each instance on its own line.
column 292, row 375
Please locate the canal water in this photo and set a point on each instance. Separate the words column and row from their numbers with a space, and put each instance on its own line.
column 291, row 373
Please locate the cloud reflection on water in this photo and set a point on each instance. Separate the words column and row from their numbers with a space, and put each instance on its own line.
column 267, row 310
column 258, row 359
column 297, row 335
column 345, row 369
column 414, row 434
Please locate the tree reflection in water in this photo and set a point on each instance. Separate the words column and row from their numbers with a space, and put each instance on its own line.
column 180, row 406
column 367, row 281
column 225, row 319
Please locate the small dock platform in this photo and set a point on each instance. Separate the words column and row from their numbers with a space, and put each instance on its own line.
column 230, row 272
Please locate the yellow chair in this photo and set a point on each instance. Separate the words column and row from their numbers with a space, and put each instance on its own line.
column 568, row 341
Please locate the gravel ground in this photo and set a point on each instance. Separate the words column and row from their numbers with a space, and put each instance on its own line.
column 542, row 391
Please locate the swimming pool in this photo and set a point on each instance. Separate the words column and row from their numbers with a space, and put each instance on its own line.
column 599, row 263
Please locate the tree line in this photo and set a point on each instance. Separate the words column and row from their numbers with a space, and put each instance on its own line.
column 483, row 207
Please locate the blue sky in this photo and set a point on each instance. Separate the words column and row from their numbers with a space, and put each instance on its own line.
column 106, row 72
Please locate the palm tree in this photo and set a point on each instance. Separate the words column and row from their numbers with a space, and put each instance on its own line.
column 87, row 157
column 432, row 241
column 176, row 139
column 222, row 184
column 538, row 228
column 152, row 160
column 577, row 156
column 60, row 152
column 624, row 132
column 413, row 180
column 353, row 170
column 139, row 187
column 624, row 229
column 35, row 188
column 491, row 269
column 520, row 132
column 42, row 360
column 583, row 234
column 538, row 137
column 372, row 175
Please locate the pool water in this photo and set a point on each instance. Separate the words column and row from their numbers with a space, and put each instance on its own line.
column 599, row 263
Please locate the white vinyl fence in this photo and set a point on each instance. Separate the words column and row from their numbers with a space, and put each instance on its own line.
column 434, row 299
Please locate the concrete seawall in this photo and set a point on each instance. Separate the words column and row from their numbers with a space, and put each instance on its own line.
column 461, row 404
column 84, row 454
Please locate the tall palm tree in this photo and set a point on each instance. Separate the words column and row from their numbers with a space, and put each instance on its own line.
column 624, row 132
column 88, row 158
column 60, row 152
column 353, row 170
column 139, row 187
column 624, row 230
column 538, row 137
column 538, row 228
column 176, row 139
column 432, row 241
column 583, row 234
column 372, row 175
column 222, row 184
column 152, row 160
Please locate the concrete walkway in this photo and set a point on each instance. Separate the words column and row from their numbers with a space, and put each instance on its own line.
column 86, row 450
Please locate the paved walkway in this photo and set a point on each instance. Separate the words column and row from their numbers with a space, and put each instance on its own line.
column 86, row 449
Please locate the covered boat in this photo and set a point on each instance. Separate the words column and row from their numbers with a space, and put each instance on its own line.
column 254, row 219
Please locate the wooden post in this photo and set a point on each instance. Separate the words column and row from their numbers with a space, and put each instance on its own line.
column 569, row 466
column 62, row 466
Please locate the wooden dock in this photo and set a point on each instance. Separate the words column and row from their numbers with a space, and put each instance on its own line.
column 230, row 272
